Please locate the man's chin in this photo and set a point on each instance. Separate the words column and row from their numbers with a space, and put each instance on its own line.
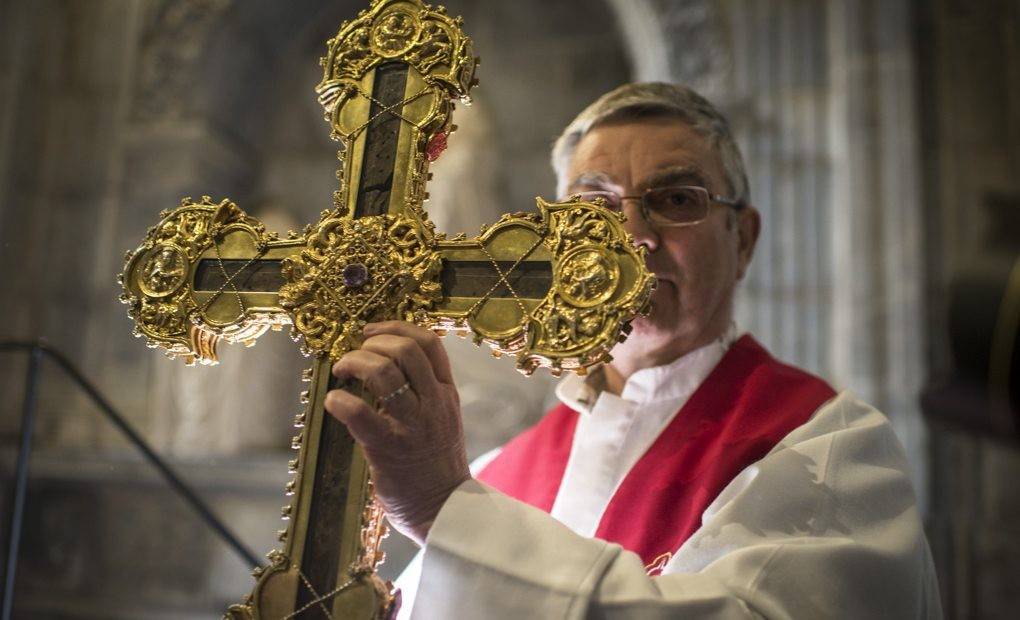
column 652, row 326
column 662, row 307
column 647, row 337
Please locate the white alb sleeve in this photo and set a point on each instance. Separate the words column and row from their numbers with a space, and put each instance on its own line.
column 407, row 581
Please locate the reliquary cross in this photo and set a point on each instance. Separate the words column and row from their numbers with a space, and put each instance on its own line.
column 554, row 288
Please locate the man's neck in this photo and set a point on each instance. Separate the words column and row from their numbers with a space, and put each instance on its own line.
column 614, row 381
column 632, row 359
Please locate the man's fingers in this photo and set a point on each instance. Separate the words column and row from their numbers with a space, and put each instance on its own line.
column 379, row 373
column 427, row 340
column 366, row 426
column 408, row 356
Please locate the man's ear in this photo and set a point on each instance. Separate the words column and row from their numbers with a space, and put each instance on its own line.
column 748, row 229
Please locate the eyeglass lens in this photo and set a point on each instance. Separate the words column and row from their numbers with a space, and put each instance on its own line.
column 676, row 205
column 664, row 205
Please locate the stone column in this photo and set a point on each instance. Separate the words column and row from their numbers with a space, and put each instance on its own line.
column 878, row 295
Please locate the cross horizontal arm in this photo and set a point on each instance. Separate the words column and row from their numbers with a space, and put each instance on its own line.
column 564, row 276
column 496, row 283
column 496, row 280
column 467, row 278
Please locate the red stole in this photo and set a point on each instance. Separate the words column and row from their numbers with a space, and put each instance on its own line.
column 747, row 405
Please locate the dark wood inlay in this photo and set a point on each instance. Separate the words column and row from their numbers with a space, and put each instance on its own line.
column 529, row 279
column 381, row 140
column 260, row 276
column 326, row 512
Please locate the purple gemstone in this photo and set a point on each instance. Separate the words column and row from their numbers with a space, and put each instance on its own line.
column 355, row 275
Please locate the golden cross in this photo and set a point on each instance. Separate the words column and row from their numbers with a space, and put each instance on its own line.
column 555, row 287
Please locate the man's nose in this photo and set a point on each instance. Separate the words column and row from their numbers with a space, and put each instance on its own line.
column 636, row 224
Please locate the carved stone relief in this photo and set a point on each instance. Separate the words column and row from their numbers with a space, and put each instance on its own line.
column 683, row 41
column 171, row 45
column 696, row 43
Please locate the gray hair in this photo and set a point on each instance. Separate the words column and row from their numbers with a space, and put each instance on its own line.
column 650, row 100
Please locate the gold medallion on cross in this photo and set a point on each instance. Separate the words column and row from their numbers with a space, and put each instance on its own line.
column 554, row 288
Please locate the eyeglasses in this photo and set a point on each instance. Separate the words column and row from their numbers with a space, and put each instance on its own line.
column 681, row 205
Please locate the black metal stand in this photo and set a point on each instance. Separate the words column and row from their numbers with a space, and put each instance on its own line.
column 36, row 350
column 21, row 478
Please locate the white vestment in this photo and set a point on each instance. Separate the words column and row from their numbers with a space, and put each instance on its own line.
column 824, row 526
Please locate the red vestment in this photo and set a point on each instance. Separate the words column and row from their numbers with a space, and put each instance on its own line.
column 746, row 405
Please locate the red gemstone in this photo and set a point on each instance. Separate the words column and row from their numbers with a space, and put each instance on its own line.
column 436, row 146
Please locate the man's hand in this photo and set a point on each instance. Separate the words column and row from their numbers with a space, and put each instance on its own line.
column 414, row 439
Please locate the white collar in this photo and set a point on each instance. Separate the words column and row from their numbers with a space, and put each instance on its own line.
column 673, row 381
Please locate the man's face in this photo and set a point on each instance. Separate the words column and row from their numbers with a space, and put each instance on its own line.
column 697, row 266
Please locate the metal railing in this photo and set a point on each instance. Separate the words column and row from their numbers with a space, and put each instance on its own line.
column 36, row 351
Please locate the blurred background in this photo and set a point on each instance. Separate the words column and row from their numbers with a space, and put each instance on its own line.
column 883, row 145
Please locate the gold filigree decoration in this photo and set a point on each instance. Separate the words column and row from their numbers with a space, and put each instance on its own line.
column 373, row 532
column 599, row 284
column 164, row 271
column 587, row 276
column 394, row 32
column 592, row 301
column 352, row 272
column 155, row 274
column 424, row 37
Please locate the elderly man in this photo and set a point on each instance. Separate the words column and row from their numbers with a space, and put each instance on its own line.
column 693, row 476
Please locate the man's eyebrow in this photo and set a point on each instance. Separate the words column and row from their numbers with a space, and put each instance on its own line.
column 679, row 175
column 590, row 179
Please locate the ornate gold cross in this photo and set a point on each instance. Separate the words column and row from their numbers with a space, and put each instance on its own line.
column 555, row 287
